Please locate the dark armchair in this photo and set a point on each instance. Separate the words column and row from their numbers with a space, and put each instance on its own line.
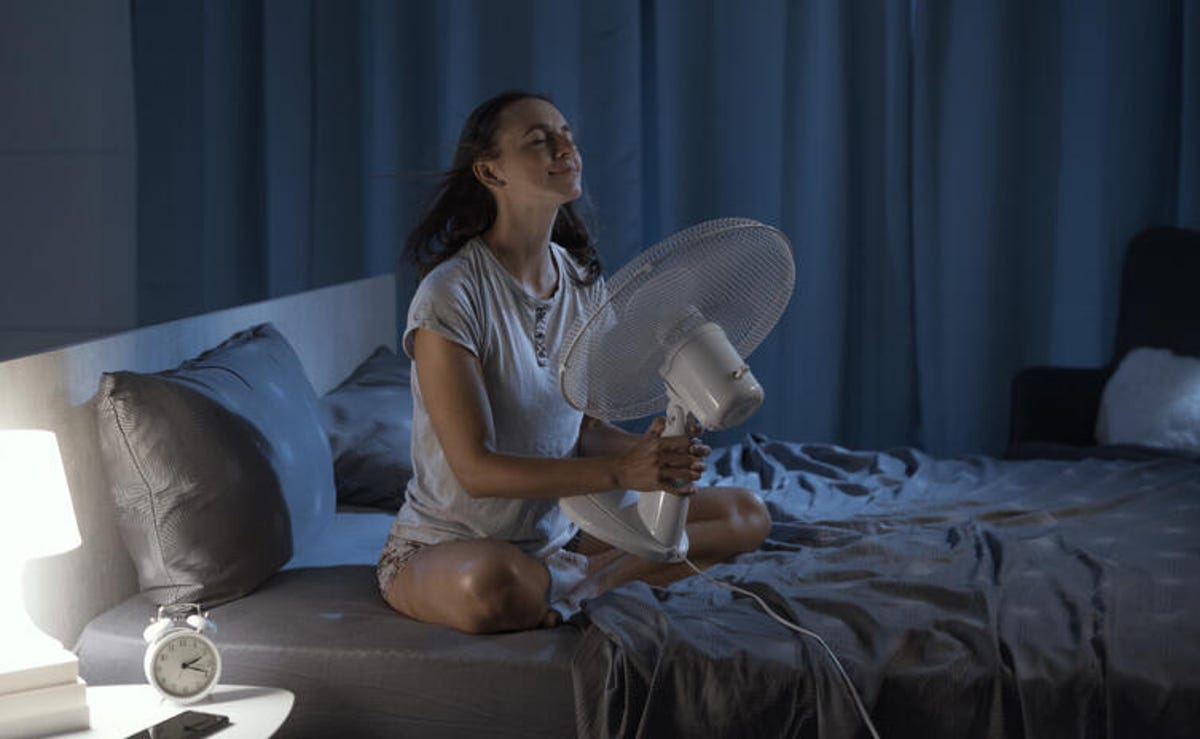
column 1054, row 408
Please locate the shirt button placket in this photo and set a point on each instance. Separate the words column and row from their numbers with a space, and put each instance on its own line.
column 539, row 336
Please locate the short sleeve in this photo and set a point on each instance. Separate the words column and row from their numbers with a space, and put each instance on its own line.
column 443, row 304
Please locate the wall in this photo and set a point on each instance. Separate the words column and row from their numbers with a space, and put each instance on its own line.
column 67, row 168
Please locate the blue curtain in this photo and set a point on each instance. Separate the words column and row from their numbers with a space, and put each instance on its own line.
column 958, row 179
column 1045, row 134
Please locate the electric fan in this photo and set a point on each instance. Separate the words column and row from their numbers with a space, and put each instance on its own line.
column 672, row 331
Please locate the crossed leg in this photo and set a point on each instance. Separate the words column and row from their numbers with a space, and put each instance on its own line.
column 484, row 586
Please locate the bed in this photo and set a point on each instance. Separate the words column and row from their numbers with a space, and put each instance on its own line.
column 966, row 596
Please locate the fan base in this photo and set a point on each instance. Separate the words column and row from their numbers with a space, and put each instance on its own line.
column 613, row 518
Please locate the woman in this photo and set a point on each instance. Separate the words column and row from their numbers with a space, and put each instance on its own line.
column 507, row 265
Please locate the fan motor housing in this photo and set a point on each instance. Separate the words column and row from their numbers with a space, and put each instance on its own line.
column 710, row 379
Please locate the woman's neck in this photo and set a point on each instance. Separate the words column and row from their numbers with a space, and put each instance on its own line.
column 521, row 244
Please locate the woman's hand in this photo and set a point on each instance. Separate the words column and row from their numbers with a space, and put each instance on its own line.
column 657, row 462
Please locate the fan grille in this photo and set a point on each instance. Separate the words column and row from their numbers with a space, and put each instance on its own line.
column 735, row 272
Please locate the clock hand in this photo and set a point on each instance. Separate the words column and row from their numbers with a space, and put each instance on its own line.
column 188, row 666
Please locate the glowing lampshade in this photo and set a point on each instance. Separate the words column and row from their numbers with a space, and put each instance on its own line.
column 36, row 515
column 36, row 520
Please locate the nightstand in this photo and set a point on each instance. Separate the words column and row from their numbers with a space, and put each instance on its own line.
column 120, row 710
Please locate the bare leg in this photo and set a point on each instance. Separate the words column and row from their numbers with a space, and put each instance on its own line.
column 477, row 586
column 486, row 586
column 721, row 523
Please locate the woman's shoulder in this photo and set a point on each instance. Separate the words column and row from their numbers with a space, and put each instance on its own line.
column 456, row 274
column 575, row 268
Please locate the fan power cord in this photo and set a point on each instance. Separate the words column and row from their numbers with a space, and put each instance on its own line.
column 862, row 710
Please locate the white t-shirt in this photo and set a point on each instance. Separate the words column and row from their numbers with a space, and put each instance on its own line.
column 473, row 301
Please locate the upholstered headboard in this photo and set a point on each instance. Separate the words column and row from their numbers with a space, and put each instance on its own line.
column 332, row 329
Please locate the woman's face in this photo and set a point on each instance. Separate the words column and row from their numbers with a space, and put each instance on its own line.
column 537, row 160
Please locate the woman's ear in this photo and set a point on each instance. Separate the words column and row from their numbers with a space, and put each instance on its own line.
column 486, row 173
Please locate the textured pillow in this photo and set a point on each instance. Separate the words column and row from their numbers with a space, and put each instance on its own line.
column 1153, row 399
column 215, row 467
column 369, row 422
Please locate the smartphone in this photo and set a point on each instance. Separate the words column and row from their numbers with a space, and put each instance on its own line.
column 186, row 725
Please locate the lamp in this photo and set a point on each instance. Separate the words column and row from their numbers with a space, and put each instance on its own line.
column 41, row 690
column 36, row 520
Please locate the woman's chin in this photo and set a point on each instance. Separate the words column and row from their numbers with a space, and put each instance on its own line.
column 563, row 191
column 567, row 182
column 573, row 192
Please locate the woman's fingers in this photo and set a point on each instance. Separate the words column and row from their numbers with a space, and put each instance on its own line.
column 682, row 443
column 678, row 487
column 687, row 472
column 676, row 462
column 680, row 452
column 681, row 462
column 680, row 480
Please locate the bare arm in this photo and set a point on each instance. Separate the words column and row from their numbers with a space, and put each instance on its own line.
column 598, row 438
column 451, row 383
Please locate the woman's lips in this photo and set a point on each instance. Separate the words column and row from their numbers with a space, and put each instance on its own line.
column 572, row 169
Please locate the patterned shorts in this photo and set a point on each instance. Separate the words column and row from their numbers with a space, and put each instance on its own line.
column 394, row 558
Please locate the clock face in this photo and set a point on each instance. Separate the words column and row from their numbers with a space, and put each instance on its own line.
column 183, row 665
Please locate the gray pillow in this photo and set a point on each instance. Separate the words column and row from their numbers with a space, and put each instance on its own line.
column 215, row 467
column 369, row 422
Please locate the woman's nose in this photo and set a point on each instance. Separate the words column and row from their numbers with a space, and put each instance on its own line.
column 563, row 147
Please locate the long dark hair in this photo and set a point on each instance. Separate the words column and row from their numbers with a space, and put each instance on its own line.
column 462, row 208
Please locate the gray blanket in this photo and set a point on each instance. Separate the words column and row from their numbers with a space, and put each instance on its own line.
column 965, row 597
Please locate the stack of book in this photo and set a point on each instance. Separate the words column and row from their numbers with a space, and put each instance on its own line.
column 41, row 696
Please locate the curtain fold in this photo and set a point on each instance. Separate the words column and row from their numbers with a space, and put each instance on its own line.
column 1187, row 206
column 958, row 180
column 1045, row 136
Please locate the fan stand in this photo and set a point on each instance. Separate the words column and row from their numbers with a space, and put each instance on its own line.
column 650, row 525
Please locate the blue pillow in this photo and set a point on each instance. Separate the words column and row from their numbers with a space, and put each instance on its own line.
column 369, row 422
column 217, row 467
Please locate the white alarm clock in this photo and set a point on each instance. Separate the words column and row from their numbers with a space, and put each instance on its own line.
column 182, row 663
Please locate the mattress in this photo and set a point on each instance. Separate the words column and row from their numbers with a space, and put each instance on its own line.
column 359, row 669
